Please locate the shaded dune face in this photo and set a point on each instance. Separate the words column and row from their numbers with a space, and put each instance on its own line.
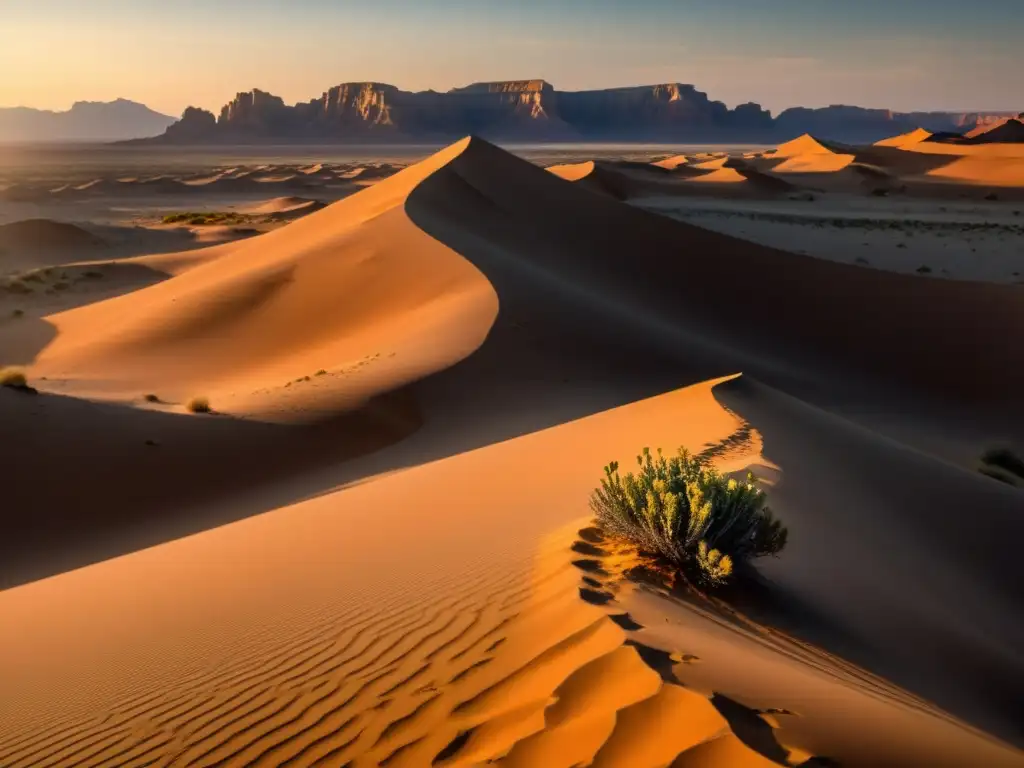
column 735, row 300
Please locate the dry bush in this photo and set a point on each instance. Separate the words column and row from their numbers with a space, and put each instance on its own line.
column 1004, row 465
column 199, row 405
column 687, row 513
column 13, row 377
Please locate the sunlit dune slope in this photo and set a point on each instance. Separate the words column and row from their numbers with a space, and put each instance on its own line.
column 354, row 281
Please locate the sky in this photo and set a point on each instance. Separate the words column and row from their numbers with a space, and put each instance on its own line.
column 900, row 54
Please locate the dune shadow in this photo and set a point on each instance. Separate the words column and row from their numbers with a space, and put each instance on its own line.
column 851, row 496
column 155, row 473
column 750, row 728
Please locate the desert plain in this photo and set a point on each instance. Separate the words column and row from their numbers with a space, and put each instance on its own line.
column 299, row 472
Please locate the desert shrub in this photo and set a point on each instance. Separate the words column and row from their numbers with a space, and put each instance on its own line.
column 12, row 377
column 200, row 218
column 151, row 398
column 1003, row 464
column 199, row 405
column 687, row 513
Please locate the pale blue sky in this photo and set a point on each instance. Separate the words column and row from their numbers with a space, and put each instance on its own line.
column 901, row 54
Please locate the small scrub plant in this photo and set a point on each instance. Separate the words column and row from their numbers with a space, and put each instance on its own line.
column 689, row 514
column 13, row 377
column 199, row 405
column 200, row 218
column 1004, row 465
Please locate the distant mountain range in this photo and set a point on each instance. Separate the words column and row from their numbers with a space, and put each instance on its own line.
column 509, row 111
column 532, row 110
column 85, row 121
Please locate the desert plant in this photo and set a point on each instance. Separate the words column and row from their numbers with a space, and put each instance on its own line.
column 689, row 514
column 151, row 398
column 199, row 405
column 13, row 377
column 1004, row 465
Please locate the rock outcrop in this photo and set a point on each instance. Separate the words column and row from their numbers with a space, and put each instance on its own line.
column 195, row 125
column 532, row 110
column 519, row 109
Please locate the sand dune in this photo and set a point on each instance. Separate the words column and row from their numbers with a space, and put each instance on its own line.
column 266, row 313
column 807, row 154
column 671, row 163
column 1010, row 131
column 1001, row 172
column 286, row 207
column 518, row 331
column 906, row 140
column 477, row 649
column 598, row 178
column 46, row 234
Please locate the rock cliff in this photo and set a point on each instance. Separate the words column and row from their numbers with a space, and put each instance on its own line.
column 532, row 110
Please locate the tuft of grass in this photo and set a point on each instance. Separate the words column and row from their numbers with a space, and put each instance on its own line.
column 16, row 286
column 1004, row 465
column 688, row 514
column 13, row 377
column 151, row 398
column 321, row 372
column 924, row 269
column 199, row 405
column 204, row 218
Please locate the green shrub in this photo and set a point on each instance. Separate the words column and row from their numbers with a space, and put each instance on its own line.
column 1004, row 465
column 1005, row 459
column 13, row 377
column 199, row 405
column 688, row 514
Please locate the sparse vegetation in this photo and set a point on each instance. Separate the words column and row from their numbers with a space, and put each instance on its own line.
column 18, row 313
column 688, row 514
column 207, row 218
column 199, row 405
column 151, row 398
column 1004, row 465
column 16, row 286
column 13, row 377
column 924, row 269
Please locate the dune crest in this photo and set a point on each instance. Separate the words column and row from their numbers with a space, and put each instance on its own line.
column 270, row 309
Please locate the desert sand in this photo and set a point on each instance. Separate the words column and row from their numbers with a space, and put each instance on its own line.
column 376, row 549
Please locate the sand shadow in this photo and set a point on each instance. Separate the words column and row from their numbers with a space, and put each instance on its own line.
column 157, row 469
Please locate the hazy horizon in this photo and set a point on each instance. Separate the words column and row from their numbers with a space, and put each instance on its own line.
column 914, row 56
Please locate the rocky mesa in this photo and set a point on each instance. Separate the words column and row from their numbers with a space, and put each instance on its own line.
column 533, row 110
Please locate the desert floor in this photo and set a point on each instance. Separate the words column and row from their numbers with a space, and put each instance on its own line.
column 376, row 547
